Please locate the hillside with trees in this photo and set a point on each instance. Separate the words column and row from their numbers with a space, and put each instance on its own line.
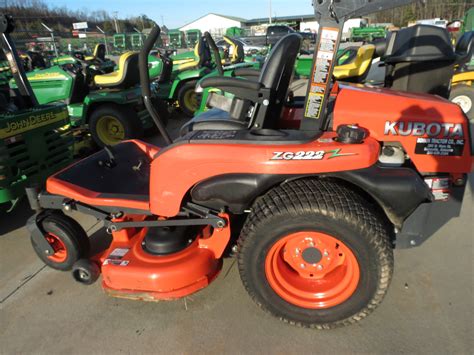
column 29, row 14
column 425, row 9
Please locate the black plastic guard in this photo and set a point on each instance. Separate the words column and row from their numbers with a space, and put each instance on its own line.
column 398, row 190
column 37, row 234
column 429, row 218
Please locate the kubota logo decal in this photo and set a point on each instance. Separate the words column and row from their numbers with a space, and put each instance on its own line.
column 310, row 155
column 433, row 129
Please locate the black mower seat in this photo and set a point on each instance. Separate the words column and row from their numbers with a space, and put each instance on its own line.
column 214, row 119
column 256, row 103
column 127, row 179
column 126, row 76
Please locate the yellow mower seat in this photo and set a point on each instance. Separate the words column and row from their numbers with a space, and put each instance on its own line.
column 99, row 53
column 237, row 49
column 466, row 77
column 191, row 62
column 126, row 76
column 359, row 66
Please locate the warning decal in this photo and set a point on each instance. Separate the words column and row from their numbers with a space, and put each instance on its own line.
column 321, row 72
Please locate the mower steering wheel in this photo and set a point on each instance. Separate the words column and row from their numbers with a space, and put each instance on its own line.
column 215, row 50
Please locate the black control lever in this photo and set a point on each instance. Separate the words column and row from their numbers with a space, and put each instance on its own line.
column 111, row 163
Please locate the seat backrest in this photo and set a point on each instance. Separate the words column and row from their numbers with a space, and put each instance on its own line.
column 238, row 54
column 465, row 48
column 277, row 73
column 358, row 68
column 420, row 59
column 131, row 74
column 99, row 51
column 202, row 56
column 80, row 88
column 126, row 76
column 204, row 52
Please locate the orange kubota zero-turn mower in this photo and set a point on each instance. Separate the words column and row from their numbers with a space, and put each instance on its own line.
column 316, row 212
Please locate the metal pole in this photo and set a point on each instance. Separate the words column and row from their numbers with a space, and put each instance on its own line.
column 270, row 13
column 54, row 45
column 115, row 21
column 105, row 39
column 51, row 32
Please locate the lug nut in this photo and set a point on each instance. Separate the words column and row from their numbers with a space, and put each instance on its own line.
column 303, row 266
column 326, row 254
column 320, row 267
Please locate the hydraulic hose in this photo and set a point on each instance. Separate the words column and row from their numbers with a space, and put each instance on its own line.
column 145, row 82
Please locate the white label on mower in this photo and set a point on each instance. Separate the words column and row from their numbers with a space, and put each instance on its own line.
column 118, row 253
column 302, row 155
column 116, row 262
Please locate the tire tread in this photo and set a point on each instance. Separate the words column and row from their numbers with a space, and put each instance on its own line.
column 331, row 198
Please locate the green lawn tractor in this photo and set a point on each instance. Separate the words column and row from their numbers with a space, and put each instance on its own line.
column 120, row 42
column 234, row 64
column 367, row 34
column 35, row 140
column 108, row 105
column 304, row 62
column 97, row 61
column 176, row 39
column 192, row 37
column 179, row 74
column 177, row 82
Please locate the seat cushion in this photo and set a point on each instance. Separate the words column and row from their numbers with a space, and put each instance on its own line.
column 213, row 119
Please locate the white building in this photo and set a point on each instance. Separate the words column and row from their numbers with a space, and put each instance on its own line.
column 215, row 24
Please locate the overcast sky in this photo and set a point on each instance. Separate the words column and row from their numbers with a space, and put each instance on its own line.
column 177, row 13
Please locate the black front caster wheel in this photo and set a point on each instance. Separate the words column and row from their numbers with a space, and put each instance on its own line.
column 85, row 272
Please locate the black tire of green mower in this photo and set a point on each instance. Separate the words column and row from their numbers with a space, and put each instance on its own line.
column 182, row 93
column 71, row 234
column 128, row 118
column 162, row 109
column 325, row 207
column 468, row 93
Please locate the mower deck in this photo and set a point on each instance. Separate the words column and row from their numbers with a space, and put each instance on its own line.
column 131, row 272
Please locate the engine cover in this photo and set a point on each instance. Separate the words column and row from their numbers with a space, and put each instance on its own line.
column 433, row 131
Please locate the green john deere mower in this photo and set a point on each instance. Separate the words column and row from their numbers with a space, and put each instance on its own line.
column 108, row 105
column 35, row 140
column 177, row 82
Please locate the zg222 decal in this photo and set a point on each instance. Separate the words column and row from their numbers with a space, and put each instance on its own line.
column 310, row 155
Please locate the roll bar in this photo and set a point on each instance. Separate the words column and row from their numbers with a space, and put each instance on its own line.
column 331, row 15
column 145, row 81
column 215, row 50
column 18, row 72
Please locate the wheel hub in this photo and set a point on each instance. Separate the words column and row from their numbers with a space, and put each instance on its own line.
column 464, row 102
column 110, row 130
column 312, row 255
column 312, row 270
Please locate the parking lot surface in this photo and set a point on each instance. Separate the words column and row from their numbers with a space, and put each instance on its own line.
column 429, row 307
